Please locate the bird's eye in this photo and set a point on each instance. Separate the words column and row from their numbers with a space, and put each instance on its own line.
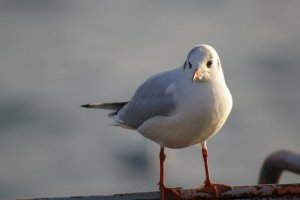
column 209, row 63
column 190, row 65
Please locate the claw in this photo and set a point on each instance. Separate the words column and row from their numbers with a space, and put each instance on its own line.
column 170, row 193
column 215, row 190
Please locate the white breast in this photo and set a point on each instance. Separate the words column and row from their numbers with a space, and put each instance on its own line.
column 201, row 111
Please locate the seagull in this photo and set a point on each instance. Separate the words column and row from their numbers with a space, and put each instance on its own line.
column 179, row 108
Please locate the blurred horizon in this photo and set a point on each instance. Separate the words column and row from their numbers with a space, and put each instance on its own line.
column 59, row 54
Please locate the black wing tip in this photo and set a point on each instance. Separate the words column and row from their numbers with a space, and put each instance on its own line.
column 85, row 106
column 112, row 114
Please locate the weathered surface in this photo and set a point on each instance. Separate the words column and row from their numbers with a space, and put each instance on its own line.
column 284, row 191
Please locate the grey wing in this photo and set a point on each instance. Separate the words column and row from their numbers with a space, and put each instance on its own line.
column 149, row 100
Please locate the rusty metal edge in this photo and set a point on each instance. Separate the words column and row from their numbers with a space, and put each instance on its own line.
column 267, row 191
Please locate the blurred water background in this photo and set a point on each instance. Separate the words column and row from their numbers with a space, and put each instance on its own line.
column 56, row 55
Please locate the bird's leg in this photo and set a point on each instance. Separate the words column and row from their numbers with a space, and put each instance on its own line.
column 205, row 156
column 214, row 189
column 208, row 187
column 166, row 193
column 162, row 157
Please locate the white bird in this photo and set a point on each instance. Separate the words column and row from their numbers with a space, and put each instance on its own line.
column 179, row 108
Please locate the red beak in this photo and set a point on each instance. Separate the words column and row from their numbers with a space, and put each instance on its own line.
column 197, row 75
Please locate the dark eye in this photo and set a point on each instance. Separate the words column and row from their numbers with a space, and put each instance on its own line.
column 190, row 65
column 209, row 63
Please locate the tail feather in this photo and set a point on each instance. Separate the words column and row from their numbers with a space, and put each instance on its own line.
column 115, row 107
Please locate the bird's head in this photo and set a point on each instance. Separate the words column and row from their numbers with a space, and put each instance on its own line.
column 202, row 64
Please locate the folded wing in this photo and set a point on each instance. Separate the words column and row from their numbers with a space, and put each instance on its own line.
column 149, row 100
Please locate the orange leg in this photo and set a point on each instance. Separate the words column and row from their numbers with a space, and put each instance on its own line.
column 166, row 193
column 214, row 189
column 205, row 156
column 162, row 157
